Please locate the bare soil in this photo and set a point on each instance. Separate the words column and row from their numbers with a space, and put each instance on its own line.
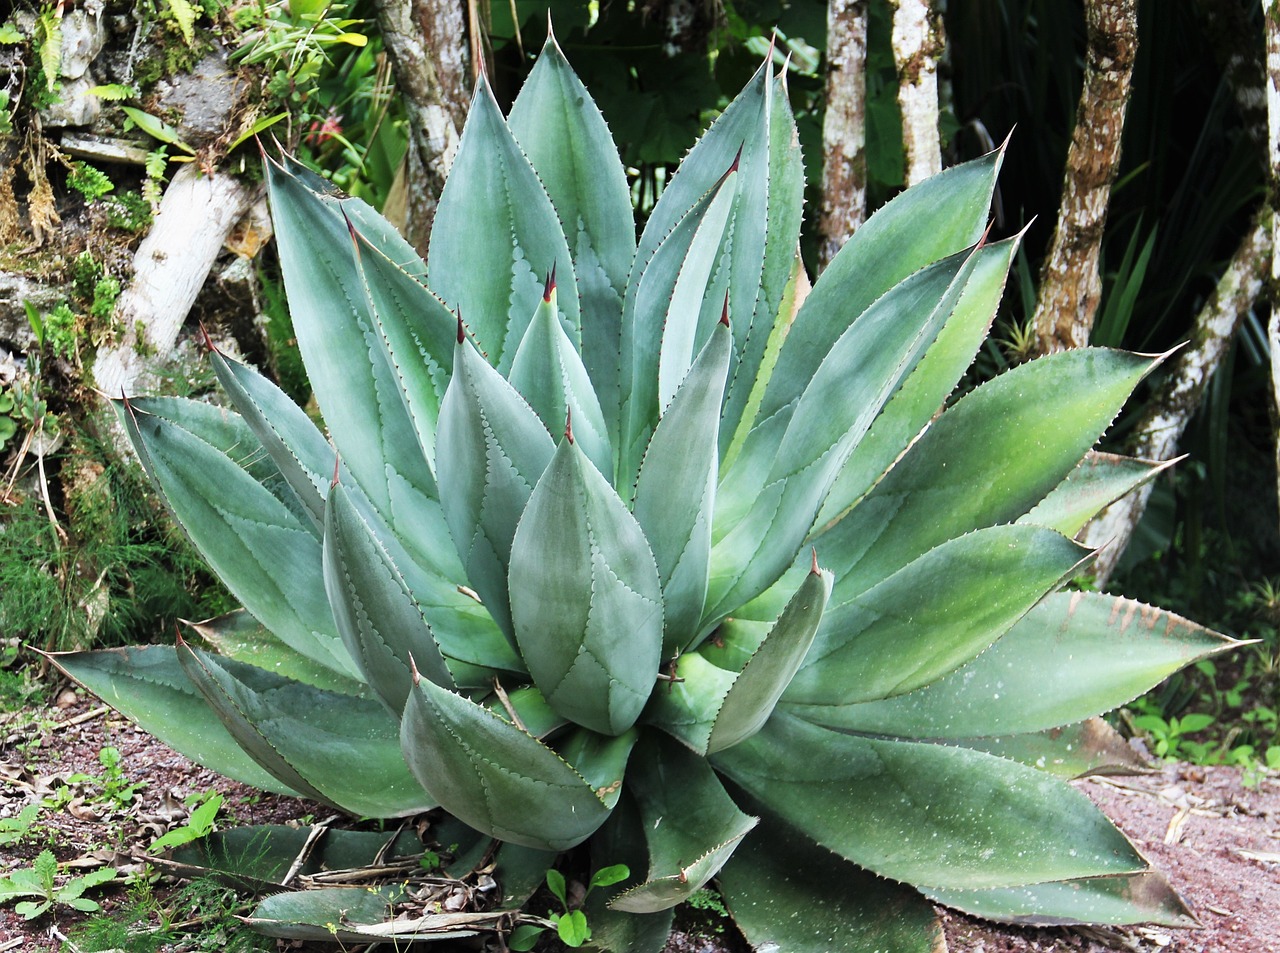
column 1216, row 840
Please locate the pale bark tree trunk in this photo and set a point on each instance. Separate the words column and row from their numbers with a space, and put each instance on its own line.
column 1178, row 397
column 844, row 128
column 1070, row 284
column 1272, row 85
column 918, row 43
column 195, row 216
column 427, row 42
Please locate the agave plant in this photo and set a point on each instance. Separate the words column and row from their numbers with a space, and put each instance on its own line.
column 556, row 566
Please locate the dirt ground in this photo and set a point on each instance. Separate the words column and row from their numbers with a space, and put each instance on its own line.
column 1216, row 840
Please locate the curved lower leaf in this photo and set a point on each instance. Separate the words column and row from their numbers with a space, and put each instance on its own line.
column 295, row 444
column 310, row 738
column 877, row 803
column 1072, row 751
column 147, row 685
column 786, row 893
column 239, row 636
column 1132, row 898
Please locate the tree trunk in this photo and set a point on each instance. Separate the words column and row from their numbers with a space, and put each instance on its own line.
column 1070, row 284
column 426, row 40
column 918, row 43
column 1178, row 397
column 844, row 128
column 169, row 269
column 1272, row 86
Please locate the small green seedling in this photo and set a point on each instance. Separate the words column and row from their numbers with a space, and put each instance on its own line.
column 571, row 925
column 39, row 881
column 1169, row 737
column 204, row 810
column 14, row 829
column 113, row 787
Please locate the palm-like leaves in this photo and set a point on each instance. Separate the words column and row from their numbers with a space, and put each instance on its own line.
column 612, row 492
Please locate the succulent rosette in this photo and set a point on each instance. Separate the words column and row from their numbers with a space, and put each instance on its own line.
column 648, row 544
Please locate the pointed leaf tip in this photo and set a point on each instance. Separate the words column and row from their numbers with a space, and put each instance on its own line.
column 206, row 340
column 568, row 424
column 982, row 242
column 351, row 229
column 337, row 462
column 815, row 570
column 462, row 333
column 550, row 287
column 724, row 311
column 413, row 671
column 737, row 160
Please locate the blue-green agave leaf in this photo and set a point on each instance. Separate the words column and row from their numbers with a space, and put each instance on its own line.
column 417, row 333
column 372, row 226
column 876, row 802
column 884, row 251
column 649, row 308
column 725, row 692
column 757, row 135
column 148, row 686
column 621, row 839
column 1099, row 480
column 933, row 615
column 564, row 134
column 495, row 234
column 1126, row 898
column 310, row 738
column 760, row 526
column 925, row 391
column 491, row 451
column 600, row 759
column 550, row 375
column 691, row 826
column 493, row 776
column 675, row 494
column 239, row 636
column 348, row 367
column 218, row 483
column 1072, row 751
column 1099, row 651
column 380, row 622
column 296, row 446
column 786, row 893
column 988, row 459
column 755, row 693
column 586, row 601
